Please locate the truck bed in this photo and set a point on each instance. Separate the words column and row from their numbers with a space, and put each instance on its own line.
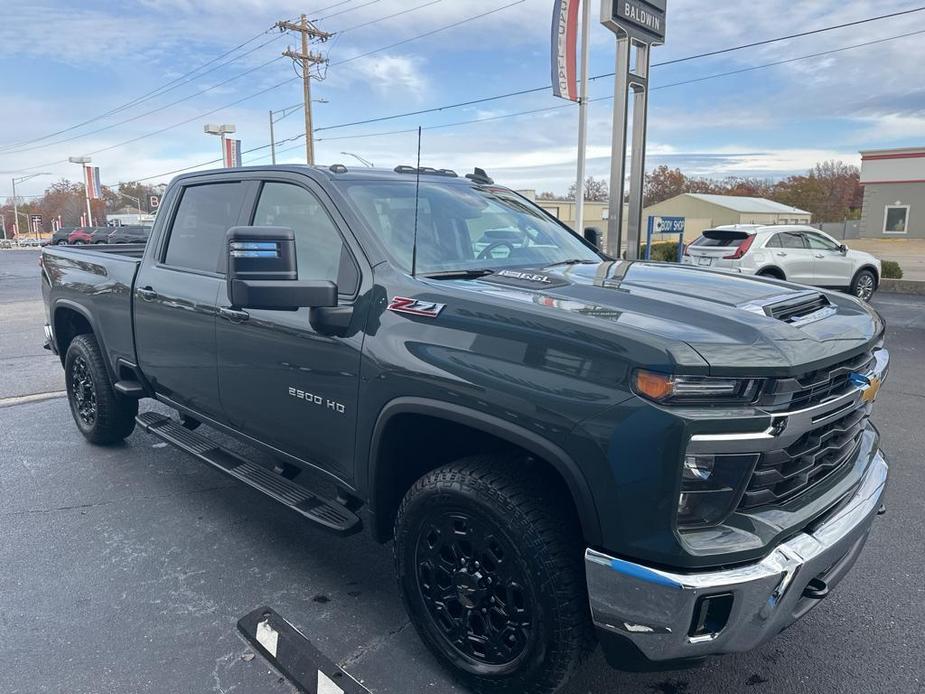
column 93, row 284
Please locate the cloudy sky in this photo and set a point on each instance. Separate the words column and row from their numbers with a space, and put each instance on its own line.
column 64, row 66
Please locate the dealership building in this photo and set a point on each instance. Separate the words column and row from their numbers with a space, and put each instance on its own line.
column 894, row 193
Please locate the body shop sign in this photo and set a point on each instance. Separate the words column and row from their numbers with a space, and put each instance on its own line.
column 641, row 19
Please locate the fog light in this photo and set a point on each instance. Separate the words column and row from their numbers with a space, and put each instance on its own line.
column 699, row 467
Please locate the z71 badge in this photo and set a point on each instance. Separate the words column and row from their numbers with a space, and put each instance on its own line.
column 415, row 307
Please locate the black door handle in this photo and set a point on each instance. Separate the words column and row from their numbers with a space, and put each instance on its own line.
column 147, row 294
column 234, row 315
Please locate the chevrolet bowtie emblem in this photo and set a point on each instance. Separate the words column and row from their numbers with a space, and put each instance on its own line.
column 873, row 388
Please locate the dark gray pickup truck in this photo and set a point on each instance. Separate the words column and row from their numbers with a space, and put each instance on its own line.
column 675, row 462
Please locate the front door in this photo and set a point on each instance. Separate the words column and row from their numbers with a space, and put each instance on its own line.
column 284, row 382
column 176, row 294
column 831, row 267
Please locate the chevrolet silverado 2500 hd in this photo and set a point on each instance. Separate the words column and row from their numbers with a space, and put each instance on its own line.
column 677, row 462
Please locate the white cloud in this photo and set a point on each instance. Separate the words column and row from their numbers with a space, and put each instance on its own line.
column 382, row 73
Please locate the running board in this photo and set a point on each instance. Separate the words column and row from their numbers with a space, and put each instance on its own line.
column 329, row 514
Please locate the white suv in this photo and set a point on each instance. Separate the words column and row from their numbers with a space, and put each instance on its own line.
column 799, row 254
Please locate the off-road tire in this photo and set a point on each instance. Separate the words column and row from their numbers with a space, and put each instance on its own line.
column 539, row 529
column 113, row 416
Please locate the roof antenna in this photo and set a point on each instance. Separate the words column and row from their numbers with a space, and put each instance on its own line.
column 417, row 190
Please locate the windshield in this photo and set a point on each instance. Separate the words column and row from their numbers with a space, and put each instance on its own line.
column 462, row 227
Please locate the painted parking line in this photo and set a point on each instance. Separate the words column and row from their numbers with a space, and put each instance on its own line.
column 290, row 652
column 34, row 397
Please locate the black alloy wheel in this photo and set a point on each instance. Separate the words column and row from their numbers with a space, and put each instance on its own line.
column 84, row 392
column 489, row 557
column 474, row 592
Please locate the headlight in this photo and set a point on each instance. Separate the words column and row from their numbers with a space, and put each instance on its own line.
column 666, row 388
column 710, row 486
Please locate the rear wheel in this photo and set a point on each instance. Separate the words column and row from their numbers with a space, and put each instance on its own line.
column 102, row 415
column 491, row 573
column 864, row 285
column 773, row 274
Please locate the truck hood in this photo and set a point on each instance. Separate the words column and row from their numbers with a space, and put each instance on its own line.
column 724, row 317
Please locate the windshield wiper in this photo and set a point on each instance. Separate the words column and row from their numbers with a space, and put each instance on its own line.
column 458, row 274
column 574, row 261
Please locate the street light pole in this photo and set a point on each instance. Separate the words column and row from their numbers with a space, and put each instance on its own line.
column 222, row 130
column 21, row 179
column 83, row 161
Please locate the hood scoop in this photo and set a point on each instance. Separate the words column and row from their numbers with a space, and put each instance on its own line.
column 794, row 309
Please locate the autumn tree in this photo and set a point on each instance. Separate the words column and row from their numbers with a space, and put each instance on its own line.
column 831, row 190
column 595, row 190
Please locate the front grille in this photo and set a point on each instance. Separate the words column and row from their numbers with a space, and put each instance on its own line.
column 793, row 311
column 817, row 455
column 789, row 394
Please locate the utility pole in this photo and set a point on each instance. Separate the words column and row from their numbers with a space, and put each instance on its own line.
column 308, row 59
column 272, row 140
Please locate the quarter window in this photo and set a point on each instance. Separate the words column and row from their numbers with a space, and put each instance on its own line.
column 205, row 214
column 773, row 242
column 896, row 219
column 320, row 251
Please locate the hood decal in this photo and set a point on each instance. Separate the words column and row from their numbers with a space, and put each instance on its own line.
column 525, row 279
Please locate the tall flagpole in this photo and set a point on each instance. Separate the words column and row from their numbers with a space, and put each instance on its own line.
column 583, row 117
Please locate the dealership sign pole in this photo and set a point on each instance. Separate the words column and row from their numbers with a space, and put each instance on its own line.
column 639, row 25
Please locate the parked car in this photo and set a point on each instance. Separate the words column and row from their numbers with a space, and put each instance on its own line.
column 80, row 236
column 100, row 234
column 29, row 242
column 799, row 254
column 6, row 243
column 130, row 234
column 678, row 460
column 59, row 238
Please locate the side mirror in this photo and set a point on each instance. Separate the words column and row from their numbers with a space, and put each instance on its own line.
column 263, row 272
column 844, row 249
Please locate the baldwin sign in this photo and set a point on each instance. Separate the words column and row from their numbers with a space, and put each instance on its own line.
column 643, row 20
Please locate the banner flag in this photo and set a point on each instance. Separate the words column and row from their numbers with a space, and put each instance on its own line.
column 564, row 53
column 232, row 153
column 92, row 181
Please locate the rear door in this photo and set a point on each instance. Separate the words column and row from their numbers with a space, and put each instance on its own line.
column 831, row 267
column 795, row 258
column 177, row 291
column 286, row 380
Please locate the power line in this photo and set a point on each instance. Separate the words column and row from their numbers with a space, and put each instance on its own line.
column 557, row 107
column 164, row 88
column 534, row 90
column 349, row 9
column 388, row 16
column 428, row 33
column 148, row 113
column 654, row 88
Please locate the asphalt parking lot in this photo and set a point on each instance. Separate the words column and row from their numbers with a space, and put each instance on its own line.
column 125, row 569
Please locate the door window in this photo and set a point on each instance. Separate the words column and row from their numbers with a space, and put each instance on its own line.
column 821, row 243
column 205, row 214
column 790, row 239
column 321, row 253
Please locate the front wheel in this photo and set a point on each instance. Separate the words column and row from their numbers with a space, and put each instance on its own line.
column 864, row 285
column 490, row 569
column 102, row 415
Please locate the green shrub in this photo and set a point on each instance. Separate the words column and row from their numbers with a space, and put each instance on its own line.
column 891, row 270
column 663, row 252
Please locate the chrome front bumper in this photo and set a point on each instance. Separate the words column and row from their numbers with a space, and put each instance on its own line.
column 655, row 609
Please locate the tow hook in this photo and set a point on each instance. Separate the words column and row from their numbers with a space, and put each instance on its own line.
column 816, row 589
column 882, row 510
